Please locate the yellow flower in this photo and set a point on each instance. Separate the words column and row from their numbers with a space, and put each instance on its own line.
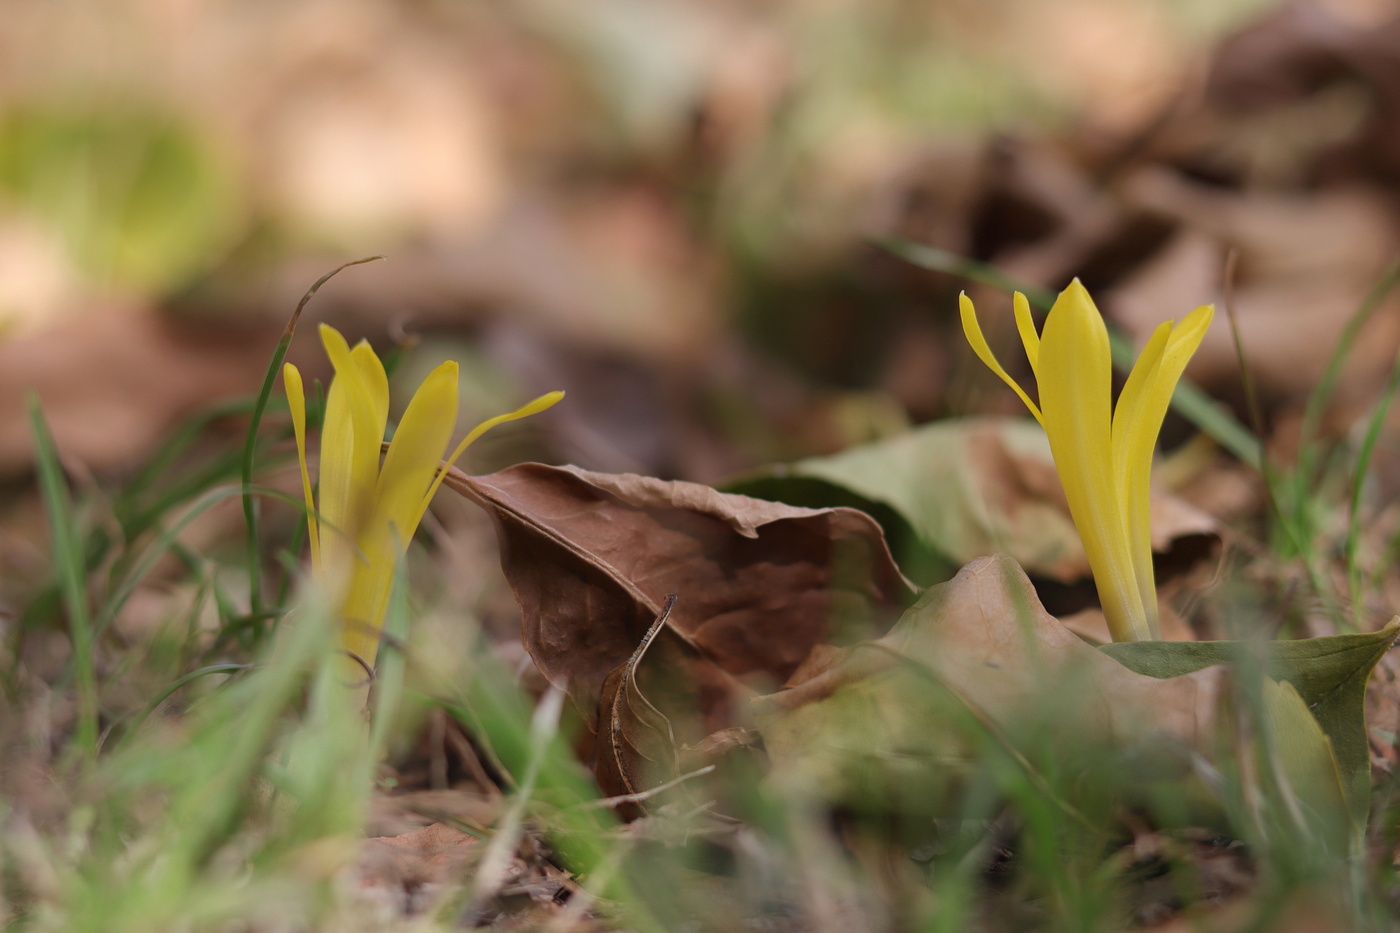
column 367, row 511
column 1103, row 455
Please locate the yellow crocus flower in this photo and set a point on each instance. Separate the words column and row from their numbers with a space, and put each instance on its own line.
column 1103, row 455
column 367, row 510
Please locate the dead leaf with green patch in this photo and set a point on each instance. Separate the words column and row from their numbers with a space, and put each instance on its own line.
column 977, row 659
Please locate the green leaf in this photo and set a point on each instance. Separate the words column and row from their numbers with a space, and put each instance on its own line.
column 1329, row 674
column 1300, row 760
column 945, row 493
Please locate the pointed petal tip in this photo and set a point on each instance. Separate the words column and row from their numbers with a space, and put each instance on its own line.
column 451, row 367
column 1076, row 289
column 548, row 400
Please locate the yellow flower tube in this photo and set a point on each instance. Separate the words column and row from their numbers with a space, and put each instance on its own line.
column 367, row 511
column 1102, row 454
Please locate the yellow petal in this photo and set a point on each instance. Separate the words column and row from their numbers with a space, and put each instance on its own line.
column 296, row 403
column 417, row 449
column 1134, row 438
column 350, row 445
column 1026, row 326
column 334, row 472
column 412, row 459
column 1143, row 408
column 1075, row 389
column 533, row 407
column 1186, row 338
column 984, row 352
column 375, row 381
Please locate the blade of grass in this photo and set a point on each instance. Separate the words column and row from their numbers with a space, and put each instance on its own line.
column 170, row 690
column 1189, row 401
column 1327, row 384
column 117, row 598
column 1363, row 463
column 544, row 727
column 70, row 567
column 250, row 507
column 157, row 468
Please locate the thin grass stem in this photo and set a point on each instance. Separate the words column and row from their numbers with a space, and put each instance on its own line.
column 1363, row 463
column 71, row 569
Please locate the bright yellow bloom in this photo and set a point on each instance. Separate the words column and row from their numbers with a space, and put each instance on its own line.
column 368, row 511
column 1103, row 455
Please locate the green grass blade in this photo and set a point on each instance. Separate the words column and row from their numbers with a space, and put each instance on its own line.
column 170, row 690
column 1363, row 463
column 167, row 539
column 70, row 567
column 1327, row 384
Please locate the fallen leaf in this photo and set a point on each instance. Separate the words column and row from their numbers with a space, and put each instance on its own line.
column 432, row 855
column 592, row 556
column 952, row 491
column 977, row 651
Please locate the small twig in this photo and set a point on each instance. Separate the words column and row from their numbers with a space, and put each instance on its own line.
column 644, row 795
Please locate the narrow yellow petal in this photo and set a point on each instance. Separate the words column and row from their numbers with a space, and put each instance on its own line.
column 1186, row 338
column 984, row 352
column 1075, row 390
column 417, row 449
column 375, row 381
column 353, row 450
column 532, row 407
column 413, row 457
column 1134, row 438
column 296, row 402
column 1141, row 425
column 1026, row 326
column 334, row 472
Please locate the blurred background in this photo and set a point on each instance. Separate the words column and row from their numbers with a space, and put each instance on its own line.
column 669, row 208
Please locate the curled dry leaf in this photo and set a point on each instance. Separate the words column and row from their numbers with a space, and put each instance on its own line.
column 981, row 652
column 633, row 735
column 592, row 556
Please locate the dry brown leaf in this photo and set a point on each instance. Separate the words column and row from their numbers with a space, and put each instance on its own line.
column 431, row 855
column 986, row 641
column 592, row 556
